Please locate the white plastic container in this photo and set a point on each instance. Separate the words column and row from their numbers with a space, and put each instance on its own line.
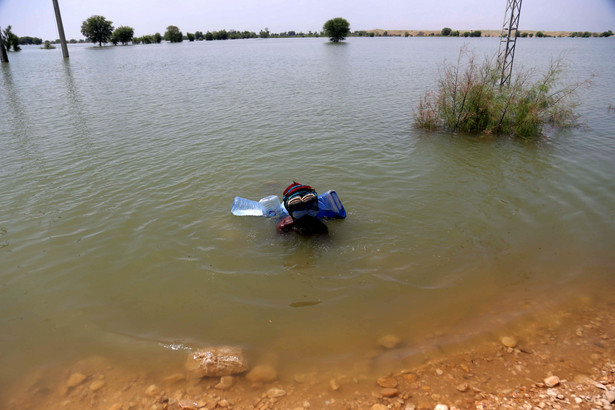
column 271, row 206
column 246, row 207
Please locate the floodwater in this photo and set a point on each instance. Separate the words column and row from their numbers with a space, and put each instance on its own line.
column 118, row 169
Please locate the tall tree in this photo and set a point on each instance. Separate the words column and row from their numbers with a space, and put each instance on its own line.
column 173, row 35
column 97, row 29
column 337, row 29
column 11, row 39
column 123, row 34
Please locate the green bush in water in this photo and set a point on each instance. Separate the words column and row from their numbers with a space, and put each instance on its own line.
column 469, row 99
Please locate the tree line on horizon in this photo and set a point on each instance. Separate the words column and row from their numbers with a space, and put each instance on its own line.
column 97, row 29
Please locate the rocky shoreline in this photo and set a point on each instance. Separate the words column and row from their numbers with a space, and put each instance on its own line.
column 565, row 362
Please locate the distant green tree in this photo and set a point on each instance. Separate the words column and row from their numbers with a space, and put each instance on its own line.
column 455, row 33
column 198, row 35
column 221, row 35
column 337, row 29
column 48, row 46
column 123, row 34
column 158, row 38
column 27, row 40
column 173, row 35
column 606, row 33
column 476, row 33
column 11, row 39
column 385, row 34
column 97, row 29
column 406, row 34
column 190, row 36
column 540, row 34
column 209, row 36
column 264, row 33
column 446, row 31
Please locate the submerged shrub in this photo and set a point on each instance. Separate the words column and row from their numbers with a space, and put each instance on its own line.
column 469, row 99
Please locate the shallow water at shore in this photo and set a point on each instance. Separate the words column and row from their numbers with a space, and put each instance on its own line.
column 116, row 234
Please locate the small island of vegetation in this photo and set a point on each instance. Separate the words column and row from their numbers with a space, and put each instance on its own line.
column 469, row 99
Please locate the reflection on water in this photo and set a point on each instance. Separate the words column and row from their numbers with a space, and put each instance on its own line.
column 75, row 101
column 117, row 183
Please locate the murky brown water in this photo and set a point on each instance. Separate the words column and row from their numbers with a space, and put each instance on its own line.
column 119, row 168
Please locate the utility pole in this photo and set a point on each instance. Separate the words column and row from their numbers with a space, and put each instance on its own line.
column 4, row 58
column 56, row 7
column 508, row 40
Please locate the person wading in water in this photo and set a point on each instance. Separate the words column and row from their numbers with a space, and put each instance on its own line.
column 301, row 202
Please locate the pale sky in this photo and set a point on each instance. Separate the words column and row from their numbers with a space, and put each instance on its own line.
column 36, row 17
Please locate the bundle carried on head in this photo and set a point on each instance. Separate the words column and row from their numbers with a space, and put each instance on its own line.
column 300, row 200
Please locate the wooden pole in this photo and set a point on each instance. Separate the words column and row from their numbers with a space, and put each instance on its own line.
column 4, row 58
column 56, row 7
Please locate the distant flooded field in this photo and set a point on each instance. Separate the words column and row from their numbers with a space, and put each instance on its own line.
column 120, row 165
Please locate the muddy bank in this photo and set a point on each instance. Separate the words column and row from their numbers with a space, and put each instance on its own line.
column 565, row 360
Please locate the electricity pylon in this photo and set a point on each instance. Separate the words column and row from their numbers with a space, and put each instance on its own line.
column 508, row 40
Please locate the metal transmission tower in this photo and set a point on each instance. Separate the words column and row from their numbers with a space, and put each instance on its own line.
column 508, row 39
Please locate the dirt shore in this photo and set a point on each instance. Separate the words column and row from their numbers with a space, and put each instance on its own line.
column 564, row 361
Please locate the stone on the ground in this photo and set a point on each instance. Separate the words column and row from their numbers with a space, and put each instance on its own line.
column 387, row 382
column 463, row 387
column 610, row 396
column 551, row 381
column 379, row 406
column 389, row 341
column 509, row 341
column 97, row 385
column 188, row 405
column 216, row 362
column 262, row 374
column 441, row 407
column 152, row 390
column 226, row 382
column 274, row 393
column 389, row 392
column 75, row 380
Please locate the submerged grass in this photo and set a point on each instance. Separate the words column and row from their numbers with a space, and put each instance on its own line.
column 469, row 99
